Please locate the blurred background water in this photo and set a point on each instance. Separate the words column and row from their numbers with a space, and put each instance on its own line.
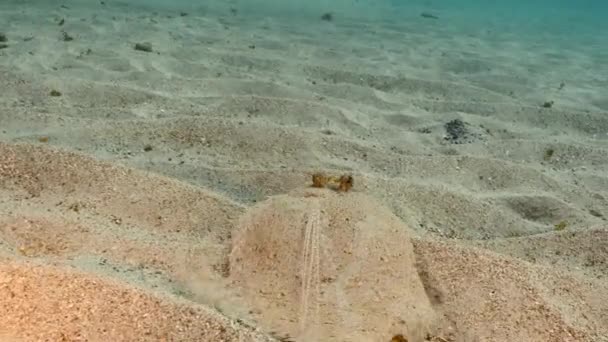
column 579, row 29
column 567, row 16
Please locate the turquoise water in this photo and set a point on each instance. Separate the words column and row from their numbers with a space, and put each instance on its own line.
column 523, row 49
column 576, row 28
column 561, row 16
column 566, row 23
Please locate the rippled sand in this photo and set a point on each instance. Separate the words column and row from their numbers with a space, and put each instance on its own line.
column 131, row 202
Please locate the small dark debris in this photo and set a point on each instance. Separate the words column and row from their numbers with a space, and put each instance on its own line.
column 3, row 46
column 85, row 53
column 222, row 268
column 428, row 15
column 327, row 17
column 457, row 132
column 595, row 213
column 281, row 338
column 234, row 11
column 3, row 38
column 55, row 93
column 425, row 130
column 61, row 22
column 183, row 14
column 66, row 37
column 148, row 148
column 146, row 47
column 328, row 279
column 548, row 104
column 548, row 154
column 561, row 86
column 252, row 47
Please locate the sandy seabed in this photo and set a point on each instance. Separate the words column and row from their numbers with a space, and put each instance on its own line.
column 165, row 195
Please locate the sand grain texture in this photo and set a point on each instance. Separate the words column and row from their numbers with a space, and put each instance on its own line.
column 165, row 194
column 46, row 303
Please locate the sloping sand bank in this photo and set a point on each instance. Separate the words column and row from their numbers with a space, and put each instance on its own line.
column 86, row 253
column 165, row 193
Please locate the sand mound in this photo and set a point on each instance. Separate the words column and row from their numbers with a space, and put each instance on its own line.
column 46, row 303
column 317, row 265
column 85, row 185
column 584, row 251
column 487, row 297
column 64, row 208
column 322, row 266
